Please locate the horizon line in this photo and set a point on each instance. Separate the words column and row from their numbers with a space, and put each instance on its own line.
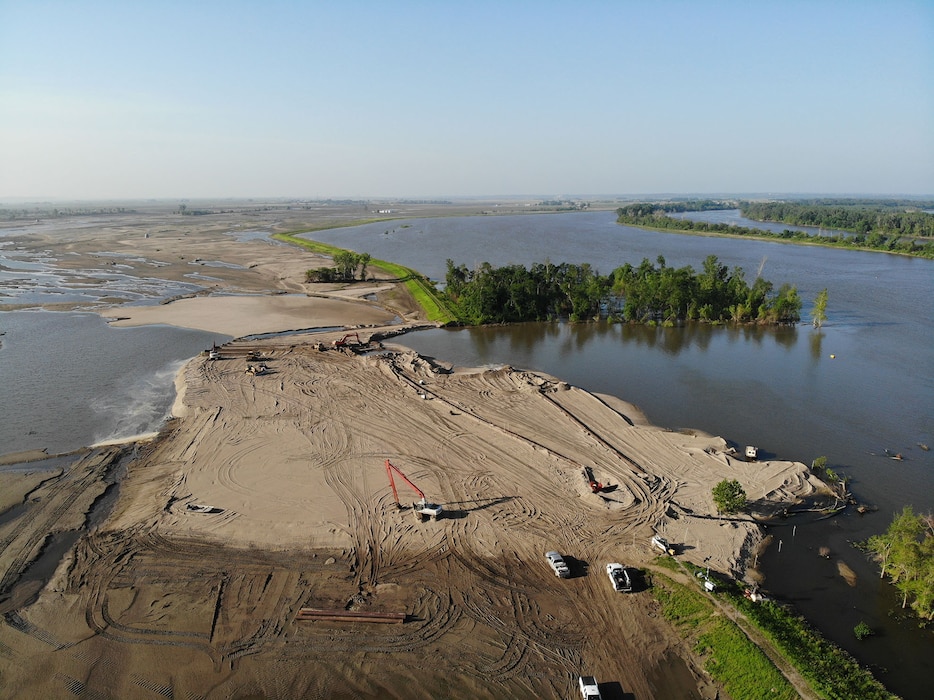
column 441, row 199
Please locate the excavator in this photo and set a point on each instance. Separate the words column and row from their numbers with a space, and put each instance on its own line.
column 423, row 509
column 343, row 342
column 595, row 485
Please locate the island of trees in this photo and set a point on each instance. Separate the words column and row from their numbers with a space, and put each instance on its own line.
column 895, row 226
column 649, row 293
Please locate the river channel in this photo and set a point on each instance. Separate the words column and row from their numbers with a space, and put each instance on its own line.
column 861, row 385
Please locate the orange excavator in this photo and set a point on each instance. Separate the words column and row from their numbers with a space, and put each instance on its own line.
column 423, row 509
column 595, row 485
column 343, row 342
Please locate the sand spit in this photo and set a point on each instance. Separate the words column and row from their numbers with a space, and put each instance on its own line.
column 270, row 494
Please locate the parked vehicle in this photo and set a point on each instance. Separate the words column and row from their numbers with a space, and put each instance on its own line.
column 422, row 508
column 589, row 688
column 558, row 565
column 619, row 577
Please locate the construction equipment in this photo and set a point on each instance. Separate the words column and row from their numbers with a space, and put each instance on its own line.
column 662, row 544
column 595, row 485
column 343, row 342
column 422, row 508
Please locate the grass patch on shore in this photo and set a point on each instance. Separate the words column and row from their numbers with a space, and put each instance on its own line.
column 421, row 289
column 729, row 656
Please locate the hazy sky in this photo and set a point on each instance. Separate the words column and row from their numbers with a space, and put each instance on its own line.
column 430, row 99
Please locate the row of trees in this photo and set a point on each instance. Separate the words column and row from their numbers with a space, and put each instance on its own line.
column 643, row 294
column 513, row 293
column 656, row 216
column 905, row 553
column 654, row 209
column 347, row 265
column 859, row 218
column 667, row 295
column 58, row 212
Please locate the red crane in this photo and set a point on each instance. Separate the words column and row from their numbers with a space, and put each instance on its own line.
column 423, row 509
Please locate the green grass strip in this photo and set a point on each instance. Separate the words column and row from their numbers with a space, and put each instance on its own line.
column 742, row 667
column 830, row 671
column 422, row 290
column 730, row 657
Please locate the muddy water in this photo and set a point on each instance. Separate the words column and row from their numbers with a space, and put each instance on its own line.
column 70, row 380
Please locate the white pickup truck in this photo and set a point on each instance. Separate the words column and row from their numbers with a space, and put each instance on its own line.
column 619, row 577
column 589, row 688
column 558, row 565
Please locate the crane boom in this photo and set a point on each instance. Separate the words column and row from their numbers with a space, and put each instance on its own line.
column 423, row 507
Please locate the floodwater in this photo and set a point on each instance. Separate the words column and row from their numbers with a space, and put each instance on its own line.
column 70, row 380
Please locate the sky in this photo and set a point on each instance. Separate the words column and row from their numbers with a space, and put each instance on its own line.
column 396, row 98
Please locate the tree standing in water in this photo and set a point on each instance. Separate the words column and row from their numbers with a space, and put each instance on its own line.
column 819, row 312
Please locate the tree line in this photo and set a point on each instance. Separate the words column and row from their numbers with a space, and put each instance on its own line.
column 863, row 219
column 57, row 212
column 649, row 293
column 889, row 238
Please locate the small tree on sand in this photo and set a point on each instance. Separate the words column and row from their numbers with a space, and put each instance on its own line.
column 729, row 496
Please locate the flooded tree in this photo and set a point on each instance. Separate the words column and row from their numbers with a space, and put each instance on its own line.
column 819, row 312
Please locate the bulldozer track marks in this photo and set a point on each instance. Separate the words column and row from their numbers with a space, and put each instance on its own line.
column 501, row 451
column 26, row 535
